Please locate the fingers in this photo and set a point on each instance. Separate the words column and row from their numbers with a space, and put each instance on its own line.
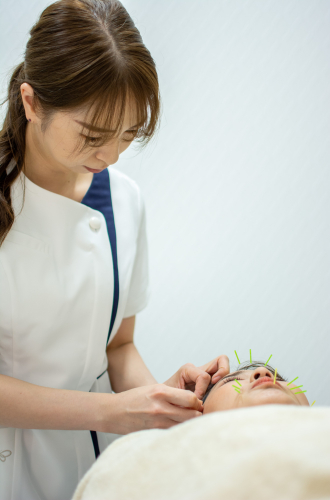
column 179, row 397
column 181, row 415
column 198, row 379
column 218, row 367
column 202, row 383
column 192, row 374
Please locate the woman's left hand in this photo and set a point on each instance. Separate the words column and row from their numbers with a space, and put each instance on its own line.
column 217, row 368
column 197, row 379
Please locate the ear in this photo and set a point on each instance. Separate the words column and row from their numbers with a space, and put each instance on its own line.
column 27, row 94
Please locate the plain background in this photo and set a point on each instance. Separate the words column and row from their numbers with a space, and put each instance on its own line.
column 236, row 182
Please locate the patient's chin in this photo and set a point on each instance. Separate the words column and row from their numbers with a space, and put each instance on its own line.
column 266, row 398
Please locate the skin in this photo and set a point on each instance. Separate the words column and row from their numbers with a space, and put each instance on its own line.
column 225, row 397
column 50, row 160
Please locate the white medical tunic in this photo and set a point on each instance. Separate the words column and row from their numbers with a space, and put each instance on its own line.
column 69, row 273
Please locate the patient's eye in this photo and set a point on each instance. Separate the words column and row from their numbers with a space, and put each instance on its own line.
column 231, row 378
column 237, row 378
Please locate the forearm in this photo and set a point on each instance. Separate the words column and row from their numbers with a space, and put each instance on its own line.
column 127, row 369
column 28, row 406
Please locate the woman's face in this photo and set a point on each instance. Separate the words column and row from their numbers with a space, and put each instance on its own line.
column 223, row 396
column 55, row 148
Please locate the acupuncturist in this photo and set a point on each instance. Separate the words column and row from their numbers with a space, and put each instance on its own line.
column 73, row 254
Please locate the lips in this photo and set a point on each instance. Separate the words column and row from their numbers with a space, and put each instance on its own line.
column 93, row 170
column 264, row 380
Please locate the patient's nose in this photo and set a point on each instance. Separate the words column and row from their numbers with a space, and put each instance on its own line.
column 259, row 373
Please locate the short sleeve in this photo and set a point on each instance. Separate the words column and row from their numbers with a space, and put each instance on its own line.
column 139, row 290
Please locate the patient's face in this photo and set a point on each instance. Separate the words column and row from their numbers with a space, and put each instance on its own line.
column 223, row 396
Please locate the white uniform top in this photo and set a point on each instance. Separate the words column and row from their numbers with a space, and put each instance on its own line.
column 57, row 294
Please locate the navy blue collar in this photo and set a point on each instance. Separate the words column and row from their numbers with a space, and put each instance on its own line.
column 98, row 197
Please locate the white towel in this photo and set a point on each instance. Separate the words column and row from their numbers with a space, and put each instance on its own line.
column 279, row 452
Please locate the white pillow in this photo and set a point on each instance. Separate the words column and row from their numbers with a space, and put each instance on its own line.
column 264, row 452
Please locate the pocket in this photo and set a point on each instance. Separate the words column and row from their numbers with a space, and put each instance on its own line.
column 28, row 241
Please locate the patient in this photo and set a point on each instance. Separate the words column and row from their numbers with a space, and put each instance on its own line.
column 223, row 396
column 275, row 451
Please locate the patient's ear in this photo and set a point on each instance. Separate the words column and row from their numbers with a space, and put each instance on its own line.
column 208, row 390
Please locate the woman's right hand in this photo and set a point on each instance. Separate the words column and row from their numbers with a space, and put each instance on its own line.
column 155, row 406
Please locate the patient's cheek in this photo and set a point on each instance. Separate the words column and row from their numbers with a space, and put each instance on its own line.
column 208, row 405
column 214, row 403
column 222, row 398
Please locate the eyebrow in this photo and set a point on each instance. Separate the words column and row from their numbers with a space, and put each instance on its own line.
column 97, row 129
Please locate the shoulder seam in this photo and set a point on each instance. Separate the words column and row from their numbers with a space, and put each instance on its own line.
column 130, row 182
column 128, row 179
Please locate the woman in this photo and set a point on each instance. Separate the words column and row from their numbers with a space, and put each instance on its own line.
column 73, row 256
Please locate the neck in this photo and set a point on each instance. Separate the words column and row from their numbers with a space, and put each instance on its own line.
column 44, row 171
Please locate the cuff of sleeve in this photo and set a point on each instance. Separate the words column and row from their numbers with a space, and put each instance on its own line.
column 133, row 308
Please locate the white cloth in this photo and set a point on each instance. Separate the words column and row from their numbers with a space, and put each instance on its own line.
column 273, row 452
column 56, row 289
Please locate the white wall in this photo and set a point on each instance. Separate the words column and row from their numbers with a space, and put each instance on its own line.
column 236, row 183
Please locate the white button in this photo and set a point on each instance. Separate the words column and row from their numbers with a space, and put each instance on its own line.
column 95, row 223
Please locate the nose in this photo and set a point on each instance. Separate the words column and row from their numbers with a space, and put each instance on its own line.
column 259, row 373
column 109, row 154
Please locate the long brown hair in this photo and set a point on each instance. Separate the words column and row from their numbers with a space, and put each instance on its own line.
column 80, row 54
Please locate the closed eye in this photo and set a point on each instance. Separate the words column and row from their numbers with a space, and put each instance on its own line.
column 230, row 379
column 92, row 139
column 95, row 139
column 237, row 378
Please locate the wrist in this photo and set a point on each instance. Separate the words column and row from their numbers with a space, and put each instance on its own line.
column 108, row 413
